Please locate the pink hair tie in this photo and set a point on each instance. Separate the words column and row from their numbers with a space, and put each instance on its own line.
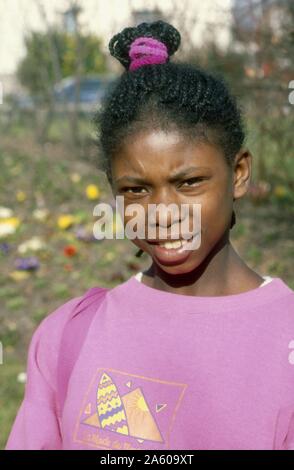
column 147, row 51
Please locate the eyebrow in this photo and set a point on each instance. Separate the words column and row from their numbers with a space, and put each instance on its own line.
column 172, row 178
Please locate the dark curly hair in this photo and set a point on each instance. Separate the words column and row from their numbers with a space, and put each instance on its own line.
column 166, row 96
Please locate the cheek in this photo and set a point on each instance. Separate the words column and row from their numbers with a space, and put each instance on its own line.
column 216, row 210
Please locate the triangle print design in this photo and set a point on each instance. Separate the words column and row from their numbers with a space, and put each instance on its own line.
column 125, row 412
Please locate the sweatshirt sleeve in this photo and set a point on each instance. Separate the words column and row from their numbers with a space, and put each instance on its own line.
column 37, row 425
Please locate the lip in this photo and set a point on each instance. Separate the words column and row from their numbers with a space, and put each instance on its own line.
column 170, row 256
column 167, row 240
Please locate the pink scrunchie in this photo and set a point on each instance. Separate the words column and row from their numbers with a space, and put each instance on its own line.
column 146, row 51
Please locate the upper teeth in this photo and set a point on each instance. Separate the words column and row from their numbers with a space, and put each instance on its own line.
column 176, row 244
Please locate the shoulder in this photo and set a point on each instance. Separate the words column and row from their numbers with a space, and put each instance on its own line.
column 277, row 288
column 56, row 320
column 50, row 330
column 280, row 298
column 284, row 289
column 46, row 340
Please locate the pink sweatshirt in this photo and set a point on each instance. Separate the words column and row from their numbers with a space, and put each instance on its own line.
column 167, row 371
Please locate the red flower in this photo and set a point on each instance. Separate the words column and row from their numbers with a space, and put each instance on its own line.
column 70, row 250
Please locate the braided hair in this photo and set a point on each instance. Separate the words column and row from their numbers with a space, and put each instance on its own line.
column 119, row 45
column 155, row 93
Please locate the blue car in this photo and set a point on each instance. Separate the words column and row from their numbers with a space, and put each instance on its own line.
column 91, row 91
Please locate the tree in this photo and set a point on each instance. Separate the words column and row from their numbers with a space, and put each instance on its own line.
column 37, row 71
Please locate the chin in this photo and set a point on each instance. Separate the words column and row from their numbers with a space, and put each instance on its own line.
column 178, row 269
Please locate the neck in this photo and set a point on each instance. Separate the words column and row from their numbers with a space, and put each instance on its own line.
column 223, row 272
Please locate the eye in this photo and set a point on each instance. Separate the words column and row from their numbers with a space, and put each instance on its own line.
column 192, row 181
column 134, row 189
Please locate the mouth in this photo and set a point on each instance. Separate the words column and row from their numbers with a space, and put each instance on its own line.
column 169, row 252
column 170, row 244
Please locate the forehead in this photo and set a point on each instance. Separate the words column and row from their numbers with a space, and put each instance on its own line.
column 159, row 152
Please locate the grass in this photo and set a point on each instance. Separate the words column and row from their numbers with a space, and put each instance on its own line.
column 11, row 394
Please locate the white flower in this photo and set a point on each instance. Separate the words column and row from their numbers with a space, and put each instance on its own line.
column 6, row 229
column 22, row 377
column 5, row 213
column 34, row 244
column 40, row 214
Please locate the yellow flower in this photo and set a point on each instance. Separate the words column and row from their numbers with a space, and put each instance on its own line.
column 13, row 221
column 21, row 196
column 280, row 191
column 92, row 191
column 19, row 275
column 65, row 221
column 8, row 226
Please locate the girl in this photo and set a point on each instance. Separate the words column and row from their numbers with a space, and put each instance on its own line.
column 197, row 352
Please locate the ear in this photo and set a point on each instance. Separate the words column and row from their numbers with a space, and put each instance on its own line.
column 242, row 173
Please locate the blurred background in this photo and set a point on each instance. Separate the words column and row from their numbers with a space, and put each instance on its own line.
column 54, row 69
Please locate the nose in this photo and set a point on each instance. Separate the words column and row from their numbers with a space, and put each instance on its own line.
column 164, row 209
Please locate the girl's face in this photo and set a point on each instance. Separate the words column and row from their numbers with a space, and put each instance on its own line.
column 157, row 167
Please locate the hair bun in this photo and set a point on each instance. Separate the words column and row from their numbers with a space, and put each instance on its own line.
column 120, row 43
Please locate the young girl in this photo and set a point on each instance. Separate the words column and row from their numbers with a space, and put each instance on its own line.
column 198, row 351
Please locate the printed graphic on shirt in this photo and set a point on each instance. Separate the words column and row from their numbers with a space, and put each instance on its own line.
column 126, row 411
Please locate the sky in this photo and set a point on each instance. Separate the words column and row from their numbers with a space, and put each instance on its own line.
column 103, row 17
